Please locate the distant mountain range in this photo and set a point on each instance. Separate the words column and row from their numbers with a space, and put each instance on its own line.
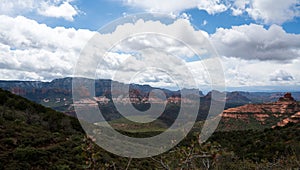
column 57, row 95
column 58, row 92
column 40, row 92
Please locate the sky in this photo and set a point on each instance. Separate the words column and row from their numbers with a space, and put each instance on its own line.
column 258, row 42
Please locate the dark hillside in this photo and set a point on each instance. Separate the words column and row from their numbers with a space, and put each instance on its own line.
column 35, row 137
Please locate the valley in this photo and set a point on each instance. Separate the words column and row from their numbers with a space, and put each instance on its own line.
column 243, row 110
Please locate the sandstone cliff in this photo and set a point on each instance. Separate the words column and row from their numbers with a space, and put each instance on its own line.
column 279, row 113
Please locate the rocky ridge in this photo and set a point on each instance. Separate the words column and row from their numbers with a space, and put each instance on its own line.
column 286, row 109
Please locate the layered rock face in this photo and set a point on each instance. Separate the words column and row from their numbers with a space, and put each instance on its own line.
column 286, row 109
column 294, row 119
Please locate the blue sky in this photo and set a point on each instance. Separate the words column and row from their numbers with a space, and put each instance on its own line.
column 258, row 41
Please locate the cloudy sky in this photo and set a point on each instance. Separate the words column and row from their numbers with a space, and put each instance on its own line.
column 258, row 41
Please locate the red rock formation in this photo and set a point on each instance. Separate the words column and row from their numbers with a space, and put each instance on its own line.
column 286, row 109
column 294, row 119
column 287, row 97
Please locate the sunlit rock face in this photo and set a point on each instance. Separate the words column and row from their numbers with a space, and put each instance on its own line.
column 286, row 109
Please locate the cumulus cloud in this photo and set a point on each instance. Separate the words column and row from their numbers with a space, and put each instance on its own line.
column 241, row 73
column 157, row 42
column 33, row 51
column 49, row 8
column 267, row 11
column 264, row 11
column 16, row 7
column 149, row 44
column 212, row 6
column 254, row 42
column 175, row 7
column 281, row 75
column 36, row 49
column 64, row 10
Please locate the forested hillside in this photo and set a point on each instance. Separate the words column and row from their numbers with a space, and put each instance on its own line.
column 35, row 137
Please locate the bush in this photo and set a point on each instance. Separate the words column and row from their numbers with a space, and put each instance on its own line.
column 28, row 154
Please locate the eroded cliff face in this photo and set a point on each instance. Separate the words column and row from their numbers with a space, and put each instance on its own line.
column 279, row 113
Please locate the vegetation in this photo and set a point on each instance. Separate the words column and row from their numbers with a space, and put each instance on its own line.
column 277, row 148
column 35, row 137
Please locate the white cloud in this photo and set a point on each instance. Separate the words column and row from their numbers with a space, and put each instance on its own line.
column 241, row 73
column 50, row 8
column 238, row 7
column 157, row 42
column 150, row 44
column 265, row 11
column 212, row 6
column 268, row 11
column 29, row 50
column 36, row 49
column 185, row 16
column 64, row 10
column 16, row 7
column 255, row 56
column 281, row 75
column 254, row 42
column 33, row 51
column 175, row 7
column 204, row 22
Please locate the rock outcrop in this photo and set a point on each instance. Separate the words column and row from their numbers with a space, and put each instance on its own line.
column 294, row 119
column 286, row 109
